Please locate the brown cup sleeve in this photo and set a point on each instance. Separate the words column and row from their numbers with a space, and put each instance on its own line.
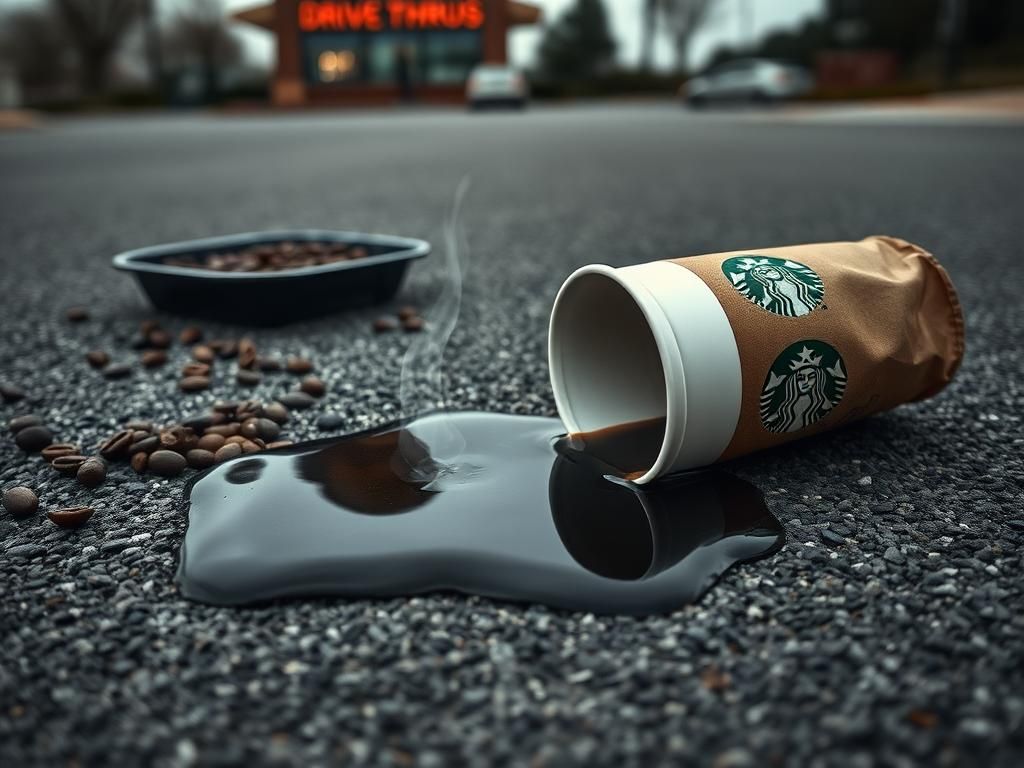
column 832, row 332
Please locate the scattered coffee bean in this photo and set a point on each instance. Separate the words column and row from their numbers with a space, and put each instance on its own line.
column 384, row 324
column 137, row 425
column 225, row 430
column 211, row 442
column 268, row 364
column 70, row 517
column 225, row 348
column 330, row 421
column 166, row 463
column 248, row 378
column 251, row 447
column 203, row 354
column 413, row 324
column 235, row 440
column 276, row 412
column 407, row 311
column 194, row 383
column 201, row 422
column 311, row 385
column 247, row 408
column 140, row 461
column 139, row 341
column 152, row 358
column 190, row 335
column 272, row 257
column 246, row 353
column 57, row 450
column 227, row 451
column 140, row 434
column 279, row 444
column 92, row 473
column 179, row 439
column 20, row 422
column 33, row 439
column 117, row 445
column 226, row 406
column 117, row 371
column 266, row 429
column 146, row 327
column 68, row 464
column 199, row 459
column 77, row 314
column 10, row 393
column 195, row 369
column 299, row 364
column 97, row 358
column 20, row 501
column 159, row 338
column 297, row 400
column 145, row 445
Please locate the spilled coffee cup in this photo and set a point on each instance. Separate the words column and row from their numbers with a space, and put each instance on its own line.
column 715, row 356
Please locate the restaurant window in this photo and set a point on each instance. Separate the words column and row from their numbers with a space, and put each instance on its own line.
column 334, row 59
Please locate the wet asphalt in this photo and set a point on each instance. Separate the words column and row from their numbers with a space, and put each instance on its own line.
column 889, row 630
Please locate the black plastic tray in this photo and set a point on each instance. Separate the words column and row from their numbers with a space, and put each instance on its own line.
column 272, row 298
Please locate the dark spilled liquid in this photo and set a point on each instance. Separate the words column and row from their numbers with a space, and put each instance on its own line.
column 487, row 504
column 628, row 450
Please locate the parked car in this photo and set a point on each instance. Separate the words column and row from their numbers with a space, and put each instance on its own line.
column 497, row 85
column 759, row 80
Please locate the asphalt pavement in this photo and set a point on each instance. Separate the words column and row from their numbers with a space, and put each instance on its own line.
column 889, row 630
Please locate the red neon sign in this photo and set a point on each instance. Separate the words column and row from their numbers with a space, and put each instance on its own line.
column 375, row 15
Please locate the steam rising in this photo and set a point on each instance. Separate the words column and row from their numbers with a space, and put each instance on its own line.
column 422, row 386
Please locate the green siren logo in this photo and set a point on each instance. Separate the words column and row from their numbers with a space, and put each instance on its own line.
column 785, row 287
column 803, row 386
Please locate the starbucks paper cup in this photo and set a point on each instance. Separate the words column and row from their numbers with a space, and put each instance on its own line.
column 745, row 350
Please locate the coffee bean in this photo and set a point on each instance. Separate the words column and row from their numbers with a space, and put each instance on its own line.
column 235, row 440
column 267, row 429
column 20, row 501
column 195, row 369
column 199, row 459
column 117, row 371
column 117, row 444
column 279, row 444
column 166, row 463
column 140, row 461
column 33, row 439
column 70, row 517
column 211, row 442
column 10, row 393
column 297, row 400
column 203, row 354
column 299, row 364
column 92, row 473
column 77, row 314
column 251, row 407
column 159, row 338
column 178, row 438
column 145, row 445
column 226, row 406
column 225, row 348
column 227, row 451
column 407, row 311
column 200, row 422
column 330, row 421
column 139, row 341
column 246, row 353
column 384, row 324
column 413, row 324
column 68, row 464
column 21, row 422
column 140, row 434
column 56, row 450
column 311, row 385
column 251, row 447
column 268, row 364
column 248, row 378
column 97, row 358
column 139, row 426
column 225, row 430
column 190, row 335
column 153, row 358
column 146, row 327
column 276, row 412
column 194, row 383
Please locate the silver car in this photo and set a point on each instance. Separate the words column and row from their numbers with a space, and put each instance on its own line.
column 497, row 85
column 758, row 80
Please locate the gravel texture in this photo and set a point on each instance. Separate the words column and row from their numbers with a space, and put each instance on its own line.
column 888, row 630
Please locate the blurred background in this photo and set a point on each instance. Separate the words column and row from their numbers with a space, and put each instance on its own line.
column 102, row 54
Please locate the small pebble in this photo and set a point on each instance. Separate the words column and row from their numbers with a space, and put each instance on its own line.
column 330, row 421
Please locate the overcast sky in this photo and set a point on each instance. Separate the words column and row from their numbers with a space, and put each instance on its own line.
column 764, row 15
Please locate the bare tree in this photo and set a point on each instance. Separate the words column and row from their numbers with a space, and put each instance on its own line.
column 33, row 42
column 96, row 29
column 685, row 18
column 200, row 35
column 648, row 29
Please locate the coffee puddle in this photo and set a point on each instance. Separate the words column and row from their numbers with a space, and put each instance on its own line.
column 520, row 515
column 629, row 450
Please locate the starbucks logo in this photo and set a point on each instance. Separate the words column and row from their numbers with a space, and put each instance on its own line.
column 785, row 287
column 804, row 384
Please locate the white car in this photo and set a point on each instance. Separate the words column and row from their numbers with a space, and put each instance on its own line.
column 760, row 80
column 497, row 85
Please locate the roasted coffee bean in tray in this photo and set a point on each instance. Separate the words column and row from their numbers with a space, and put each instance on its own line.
column 272, row 278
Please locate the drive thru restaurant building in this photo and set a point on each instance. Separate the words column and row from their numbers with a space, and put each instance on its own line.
column 383, row 51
